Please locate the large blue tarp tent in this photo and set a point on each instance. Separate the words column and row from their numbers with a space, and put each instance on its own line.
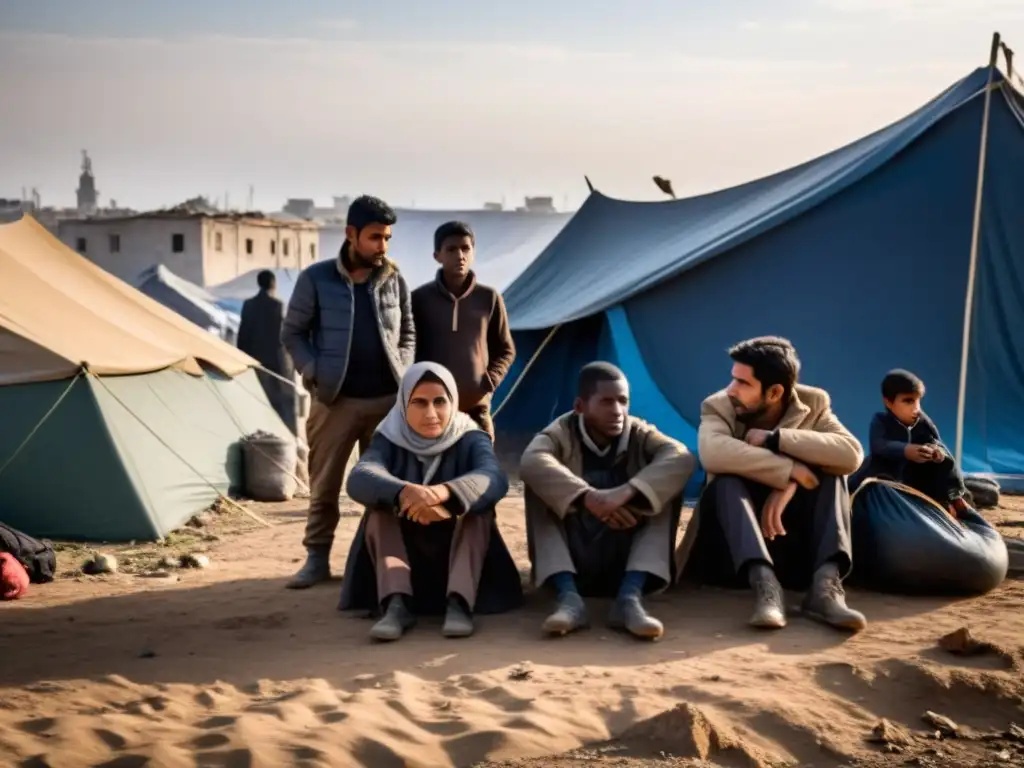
column 860, row 257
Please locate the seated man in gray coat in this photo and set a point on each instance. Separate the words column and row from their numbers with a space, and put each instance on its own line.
column 603, row 498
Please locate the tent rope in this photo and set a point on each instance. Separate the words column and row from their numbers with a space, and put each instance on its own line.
column 220, row 496
column 522, row 374
column 38, row 426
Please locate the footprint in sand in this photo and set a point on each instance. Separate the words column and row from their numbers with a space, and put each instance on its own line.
column 113, row 740
column 210, row 741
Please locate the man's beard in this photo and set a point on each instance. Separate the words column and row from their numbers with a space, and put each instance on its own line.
column 365, row 262
column 748, row 416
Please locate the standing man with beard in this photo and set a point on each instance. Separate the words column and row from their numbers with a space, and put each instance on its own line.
column 349, row 329
column 775, row 511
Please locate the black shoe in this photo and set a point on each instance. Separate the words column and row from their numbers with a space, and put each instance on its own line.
column 396, row 620
column 457, row 621
column 316, row 569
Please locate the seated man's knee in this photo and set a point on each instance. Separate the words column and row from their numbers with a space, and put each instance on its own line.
column 727, row 484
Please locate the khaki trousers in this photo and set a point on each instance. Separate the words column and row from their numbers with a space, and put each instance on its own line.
column 391, row 560
column 333, row 431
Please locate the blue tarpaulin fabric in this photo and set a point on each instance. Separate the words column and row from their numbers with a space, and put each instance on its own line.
column 859, row 257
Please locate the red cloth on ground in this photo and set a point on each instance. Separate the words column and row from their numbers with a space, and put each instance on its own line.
column 13, row 577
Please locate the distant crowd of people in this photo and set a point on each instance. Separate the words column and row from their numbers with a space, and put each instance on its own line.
column 409, row 375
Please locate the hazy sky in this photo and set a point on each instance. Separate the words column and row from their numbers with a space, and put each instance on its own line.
column 449, row 103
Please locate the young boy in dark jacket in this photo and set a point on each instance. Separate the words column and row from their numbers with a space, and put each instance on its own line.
column 463, row 325
column 905, row 446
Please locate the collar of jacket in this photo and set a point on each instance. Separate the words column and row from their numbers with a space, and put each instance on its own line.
column 896, row 422
column 378, row 275
column 442, row 286
column 796, row 411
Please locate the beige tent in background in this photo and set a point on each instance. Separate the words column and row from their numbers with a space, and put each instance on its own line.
column 58, row 309
column 121, row 419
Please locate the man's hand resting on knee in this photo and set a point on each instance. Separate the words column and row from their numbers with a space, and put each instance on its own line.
column 771, row 513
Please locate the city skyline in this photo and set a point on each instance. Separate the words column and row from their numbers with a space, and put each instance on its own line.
column 458, row 104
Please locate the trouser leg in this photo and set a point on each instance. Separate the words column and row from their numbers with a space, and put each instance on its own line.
column 547, row 542
column 466, row 561
column 333, row 431
column 387, row 550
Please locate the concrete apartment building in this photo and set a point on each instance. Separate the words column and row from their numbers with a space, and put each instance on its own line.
column 204, row 247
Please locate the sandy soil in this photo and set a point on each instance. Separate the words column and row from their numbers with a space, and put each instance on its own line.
column 224, row 667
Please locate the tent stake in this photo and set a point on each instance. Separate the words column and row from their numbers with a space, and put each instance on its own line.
column 972, row 267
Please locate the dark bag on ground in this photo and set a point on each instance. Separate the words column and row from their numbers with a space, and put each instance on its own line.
column 37, row 557
column 269, row 467
column 984, row 492
column 905, row 543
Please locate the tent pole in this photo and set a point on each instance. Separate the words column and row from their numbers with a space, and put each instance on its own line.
column 972, row 267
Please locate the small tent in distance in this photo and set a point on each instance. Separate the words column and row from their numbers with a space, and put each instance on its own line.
column 860, row 257
column 121, row 418
column 188, row 300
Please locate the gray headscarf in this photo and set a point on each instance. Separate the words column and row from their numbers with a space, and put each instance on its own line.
column 395, row 427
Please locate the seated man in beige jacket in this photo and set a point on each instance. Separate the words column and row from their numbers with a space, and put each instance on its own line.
column 775, row 507
column 603, row 494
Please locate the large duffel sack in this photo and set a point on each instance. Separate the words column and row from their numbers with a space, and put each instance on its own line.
column 903, row 542
column 269, row 467
column 35, row 555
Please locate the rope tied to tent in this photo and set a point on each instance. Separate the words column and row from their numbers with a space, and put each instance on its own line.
column 522, row 374
column 53, row 408
column 220, row 496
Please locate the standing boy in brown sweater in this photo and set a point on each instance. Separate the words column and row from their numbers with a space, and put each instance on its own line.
column 463, row 325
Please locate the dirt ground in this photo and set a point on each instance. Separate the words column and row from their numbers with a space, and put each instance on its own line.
column 222, row 666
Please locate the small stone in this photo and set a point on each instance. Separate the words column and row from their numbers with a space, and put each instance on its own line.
column 99, row 564
column 169, row 563
column 520, row 672
column 887, row 732
column 195, row 561
column 942, row 724
column 963, row 643
column 1004, row 756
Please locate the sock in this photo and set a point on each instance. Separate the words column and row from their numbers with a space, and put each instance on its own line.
column 632, row 584
column 564, row 583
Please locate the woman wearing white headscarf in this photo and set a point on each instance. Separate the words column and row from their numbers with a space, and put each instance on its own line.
column 428, row 542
